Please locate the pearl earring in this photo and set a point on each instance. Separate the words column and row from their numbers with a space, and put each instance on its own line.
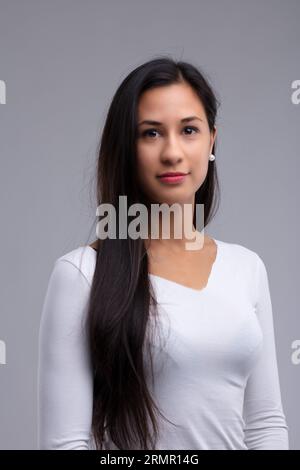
column 212, row 157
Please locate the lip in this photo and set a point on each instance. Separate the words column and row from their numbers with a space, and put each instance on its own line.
column 173, row 178
column 172, row 173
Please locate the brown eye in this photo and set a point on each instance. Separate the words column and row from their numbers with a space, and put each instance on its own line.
column 193, row 128
column 148, row 131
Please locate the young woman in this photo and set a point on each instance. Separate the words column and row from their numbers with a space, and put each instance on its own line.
column 143, row 343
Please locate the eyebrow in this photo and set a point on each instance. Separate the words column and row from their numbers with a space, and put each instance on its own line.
column 157, row 123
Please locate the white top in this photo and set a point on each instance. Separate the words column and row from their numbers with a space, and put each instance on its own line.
column 216, row 375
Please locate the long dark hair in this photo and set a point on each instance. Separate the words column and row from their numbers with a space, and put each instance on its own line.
column 121, row 297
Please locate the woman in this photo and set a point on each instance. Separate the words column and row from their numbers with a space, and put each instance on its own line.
column 106, row 381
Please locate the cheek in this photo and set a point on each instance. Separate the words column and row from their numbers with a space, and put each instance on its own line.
column 199, row 162
column 145, row 164
column 199, row 168
column 144, row 170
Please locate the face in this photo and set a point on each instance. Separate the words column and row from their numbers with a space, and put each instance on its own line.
column 173, row 145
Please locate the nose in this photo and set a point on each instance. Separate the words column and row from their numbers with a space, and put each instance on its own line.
column 171, row 160
column 171, row 153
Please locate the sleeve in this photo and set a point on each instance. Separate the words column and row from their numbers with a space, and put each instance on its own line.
column 265, row 423
column 65, row 380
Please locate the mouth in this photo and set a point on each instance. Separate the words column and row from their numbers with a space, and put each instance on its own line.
column 172, row 177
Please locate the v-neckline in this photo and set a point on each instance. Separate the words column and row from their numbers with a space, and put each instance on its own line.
column 211, row 276
column 178, row 285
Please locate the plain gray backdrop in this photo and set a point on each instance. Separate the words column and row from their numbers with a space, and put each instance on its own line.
column 62, row 61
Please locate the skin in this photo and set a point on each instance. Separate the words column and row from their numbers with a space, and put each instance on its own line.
column 175, row 146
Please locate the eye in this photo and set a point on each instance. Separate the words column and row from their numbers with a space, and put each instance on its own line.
column 147, row 132
column 193, row 128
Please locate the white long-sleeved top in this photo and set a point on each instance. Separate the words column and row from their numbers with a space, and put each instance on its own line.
column 216, row 373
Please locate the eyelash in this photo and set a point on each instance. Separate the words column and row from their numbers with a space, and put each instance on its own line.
column 145, row 133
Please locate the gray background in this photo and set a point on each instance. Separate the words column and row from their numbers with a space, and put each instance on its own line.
column 62, row 62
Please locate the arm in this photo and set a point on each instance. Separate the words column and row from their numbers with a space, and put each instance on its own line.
column 266, row 426
column 65, row 380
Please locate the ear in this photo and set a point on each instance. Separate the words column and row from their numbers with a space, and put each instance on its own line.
column 213, row 136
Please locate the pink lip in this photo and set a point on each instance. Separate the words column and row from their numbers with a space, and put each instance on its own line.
column 172, row 179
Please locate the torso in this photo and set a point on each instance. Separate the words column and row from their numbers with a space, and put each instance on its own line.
column 191, row 269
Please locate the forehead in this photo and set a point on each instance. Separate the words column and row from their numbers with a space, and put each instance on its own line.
column 171, row 101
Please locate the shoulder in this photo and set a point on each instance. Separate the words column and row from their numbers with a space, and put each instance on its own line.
column 241, row 257
column 81, row 260
column 239, row 250
column 68, row 290
column 246, row 268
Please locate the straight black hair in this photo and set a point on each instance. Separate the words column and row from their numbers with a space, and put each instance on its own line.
column 122, row 301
